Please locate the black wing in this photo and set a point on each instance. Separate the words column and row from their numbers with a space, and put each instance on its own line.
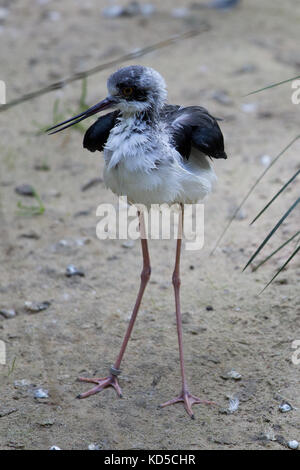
column 193, row 126
column 96, row 136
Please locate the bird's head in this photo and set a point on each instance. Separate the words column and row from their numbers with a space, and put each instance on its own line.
column 134, row 89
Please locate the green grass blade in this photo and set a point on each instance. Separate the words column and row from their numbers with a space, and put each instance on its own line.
column 276, row 251
column 282, row 267
column 32, row 210
column 276, row 196
column 82, row 102
column 287, row 213
column 273, row 85
column 250, row 191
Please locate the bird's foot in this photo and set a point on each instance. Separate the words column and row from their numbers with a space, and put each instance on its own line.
column 188, row 401
column 110, row 381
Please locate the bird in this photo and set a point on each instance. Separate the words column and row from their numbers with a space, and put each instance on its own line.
column 154, row 153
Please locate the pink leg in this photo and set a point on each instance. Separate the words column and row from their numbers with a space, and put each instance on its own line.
column 186, row 397
column 112, row 379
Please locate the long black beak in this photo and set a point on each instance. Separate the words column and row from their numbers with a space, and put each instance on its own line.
column 104, row 104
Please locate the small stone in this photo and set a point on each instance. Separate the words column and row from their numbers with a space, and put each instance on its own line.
column 233, row 404
column 41, row 393
column 30, row 235
column 222, row 97
column 82, row 213
column 132, row 9
column 21, row 383
column 94, row 447
column 249, row 107
column 238, row 215
column 54, row 15
column 3, row 13
column 128, row 244
column 284, row 407
column 180, row 12
column 54, row 448
column 147, row 9
column 82, row 241
column 8, row 313
column 73, row 271
column 25, row 190
column 209, row 308
column 232, row 374
column 46, row 423
column 265, row 160
column 35, row 307
column 113, row 12
column 293, row 444
column 246, row 68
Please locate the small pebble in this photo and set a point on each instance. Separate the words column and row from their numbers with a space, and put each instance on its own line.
column 3, row 13
column 222, row 97
column 94, row 447
column 82, row 213
column 30, row 235
column 25, row 190
column 233, row 404
column 293, row 444
column 54, row 15
column 247, row 68
column 284, row 407
column 209, row 308
column 147, row 9
column 21, row 383
column 128, row 244
column 41, row 393
column 239, row 215
column 8, row 313
column 249, row 107
column 132, row 9
column 232, row 374
column 180, row 12
column 82, row 241
column 113, row 12
column 220, row 4
column 73, row 271
column 54, row 448
column 265, row 160
column 35, row 307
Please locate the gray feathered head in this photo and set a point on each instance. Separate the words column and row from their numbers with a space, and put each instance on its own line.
column 137, row 88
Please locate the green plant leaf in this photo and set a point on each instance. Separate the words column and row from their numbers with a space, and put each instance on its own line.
column 276, row 251
column 287, row 213
column 282, row 267
column 32, row 210
column 276, row 196
column 251, row 190
column 273, row 85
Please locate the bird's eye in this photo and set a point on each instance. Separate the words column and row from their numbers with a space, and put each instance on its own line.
column 127, row 91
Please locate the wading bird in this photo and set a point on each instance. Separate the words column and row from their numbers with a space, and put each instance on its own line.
column 154, row 153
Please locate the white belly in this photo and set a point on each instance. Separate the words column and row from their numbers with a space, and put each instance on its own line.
column 168, row 183
column 150, row 171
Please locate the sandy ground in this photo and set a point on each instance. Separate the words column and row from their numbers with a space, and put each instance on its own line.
column 81, row 331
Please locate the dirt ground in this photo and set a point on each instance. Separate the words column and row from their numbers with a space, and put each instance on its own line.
column 81, row 331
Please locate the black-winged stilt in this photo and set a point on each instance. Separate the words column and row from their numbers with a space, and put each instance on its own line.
column 154, row 153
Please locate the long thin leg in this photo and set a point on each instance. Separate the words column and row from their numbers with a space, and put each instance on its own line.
column 112, row 379
column 187, row 398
